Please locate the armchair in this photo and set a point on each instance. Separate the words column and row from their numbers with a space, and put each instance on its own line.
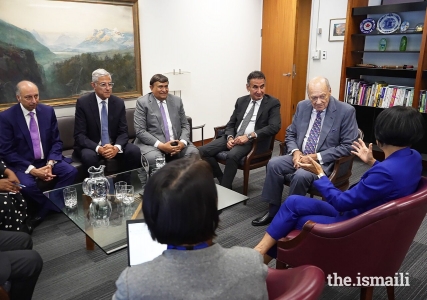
column 258, row 157
column 301, row 283
column 371, row 244
column 341, row 174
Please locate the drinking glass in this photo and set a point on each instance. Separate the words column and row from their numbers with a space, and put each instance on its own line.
column 128, row 195
column 70, row 197
column 119, row 188
column 160, row 161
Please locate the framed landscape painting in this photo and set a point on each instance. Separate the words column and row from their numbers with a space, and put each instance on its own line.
column 58, row 44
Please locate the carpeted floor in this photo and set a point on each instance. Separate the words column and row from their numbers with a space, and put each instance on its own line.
column 72, row 272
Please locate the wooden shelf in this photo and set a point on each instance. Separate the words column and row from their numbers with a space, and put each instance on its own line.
column 357, row 71
column 377, row 51
column 384, row 35
column 392, row 8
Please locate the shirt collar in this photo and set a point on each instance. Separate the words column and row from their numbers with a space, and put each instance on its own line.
column 26, row 111
column 158, row 101
column 257, row 102
column 99, row 100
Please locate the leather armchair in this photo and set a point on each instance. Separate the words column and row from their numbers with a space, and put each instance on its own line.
column 341, row 174
column 301, row 283
column 371, row 244
column 258, row 157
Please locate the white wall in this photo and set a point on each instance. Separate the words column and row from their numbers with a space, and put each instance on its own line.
column 218, row 41
column 322, row 12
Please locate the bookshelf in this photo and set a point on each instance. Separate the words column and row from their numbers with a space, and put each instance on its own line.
column 361, row 48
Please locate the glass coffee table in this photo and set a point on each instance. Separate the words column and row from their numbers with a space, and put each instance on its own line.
column 110, row 233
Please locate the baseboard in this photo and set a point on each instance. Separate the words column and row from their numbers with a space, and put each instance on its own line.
column 199, row 143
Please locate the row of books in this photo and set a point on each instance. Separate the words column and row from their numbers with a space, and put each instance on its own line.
column 377, row 94
column 422, row 104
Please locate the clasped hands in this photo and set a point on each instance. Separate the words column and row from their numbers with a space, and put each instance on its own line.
column 43, row 173
column 108, row 151
column 240, row 140
column 172, row 147
column 10, row 184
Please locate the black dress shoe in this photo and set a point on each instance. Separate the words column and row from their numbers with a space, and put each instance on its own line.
column 264, row 220
column 33, row 223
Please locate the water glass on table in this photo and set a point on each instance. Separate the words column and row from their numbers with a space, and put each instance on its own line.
column 120, row 188
column 160, row 161
column 70, row 197
column 128, row 195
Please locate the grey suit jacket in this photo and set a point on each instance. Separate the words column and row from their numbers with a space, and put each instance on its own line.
column 149, row 122
column 339, row 130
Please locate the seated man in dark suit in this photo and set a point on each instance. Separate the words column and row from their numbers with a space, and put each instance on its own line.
column 255, row 116
column 161, row 125
column 324, row 129
column 19, row 264
column 100, row 130
column 31, row 148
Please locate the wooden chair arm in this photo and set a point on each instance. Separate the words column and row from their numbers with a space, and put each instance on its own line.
column 342, row 169
column 217, row 131
column 283, row 148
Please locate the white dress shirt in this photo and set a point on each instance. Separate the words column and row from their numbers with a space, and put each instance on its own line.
column 99, row 100
column 168, row 120
column 27, row 119
column 307, row 134
column 251, row 126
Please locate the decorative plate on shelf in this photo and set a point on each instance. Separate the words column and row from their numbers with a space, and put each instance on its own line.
column 404, row 26
column 367, row 25
column 389, row 23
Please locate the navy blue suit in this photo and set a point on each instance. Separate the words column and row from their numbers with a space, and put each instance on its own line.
column 395, row 177
column 16, row 149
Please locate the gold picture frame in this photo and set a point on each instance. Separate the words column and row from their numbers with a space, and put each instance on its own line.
column 58, row 43
column 337, row 30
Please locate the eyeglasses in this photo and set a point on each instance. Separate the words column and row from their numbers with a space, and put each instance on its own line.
column 321, row 97
column 104, row 84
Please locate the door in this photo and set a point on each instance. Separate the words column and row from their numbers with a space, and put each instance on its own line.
column 284, row 53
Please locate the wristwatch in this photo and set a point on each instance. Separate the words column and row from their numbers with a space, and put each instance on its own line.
column 250, row 137
column 321, row 175
column 49, row 163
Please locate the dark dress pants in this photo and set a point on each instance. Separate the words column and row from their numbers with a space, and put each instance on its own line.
column 19, row 264
column 234, row 156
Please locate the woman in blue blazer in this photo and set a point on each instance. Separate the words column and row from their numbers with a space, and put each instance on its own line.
column 396, row 129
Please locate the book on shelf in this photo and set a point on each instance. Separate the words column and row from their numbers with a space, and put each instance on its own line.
column 378, row 94
column 422, row 103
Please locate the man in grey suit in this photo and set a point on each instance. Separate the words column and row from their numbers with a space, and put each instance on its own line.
column 324, row 129
column 160, row 123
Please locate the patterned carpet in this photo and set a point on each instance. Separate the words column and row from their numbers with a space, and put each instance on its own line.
column 72, row 272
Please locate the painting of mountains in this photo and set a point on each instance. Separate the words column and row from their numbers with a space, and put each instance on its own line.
column 58, row 44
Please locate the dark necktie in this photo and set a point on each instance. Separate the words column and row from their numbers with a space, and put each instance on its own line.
column 246, row 120
column 35, row 137
column 165, row 122
column 310, row 146
column 105, row 138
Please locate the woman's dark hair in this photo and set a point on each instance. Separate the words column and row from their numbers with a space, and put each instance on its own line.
column 399, row 126
column 180, row 203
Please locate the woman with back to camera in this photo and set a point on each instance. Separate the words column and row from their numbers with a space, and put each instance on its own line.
column 396, row 129
column 180, row 209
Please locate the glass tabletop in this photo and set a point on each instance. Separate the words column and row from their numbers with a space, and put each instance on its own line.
column 109, row 230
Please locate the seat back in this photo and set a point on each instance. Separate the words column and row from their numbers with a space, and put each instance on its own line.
column 131, row 125
column 301, row 283
column 371, row 244
column 66, row 132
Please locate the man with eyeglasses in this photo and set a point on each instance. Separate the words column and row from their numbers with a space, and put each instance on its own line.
column 30, row 146
column 255, row 116
column 100, row 130
column 324, row 129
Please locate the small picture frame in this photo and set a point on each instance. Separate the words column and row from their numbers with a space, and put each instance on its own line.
column 336, row 30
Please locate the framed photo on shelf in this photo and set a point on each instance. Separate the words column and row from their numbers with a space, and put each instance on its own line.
column 386, row 2
column 336, row 30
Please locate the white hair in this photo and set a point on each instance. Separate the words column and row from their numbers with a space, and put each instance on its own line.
column 99, row 73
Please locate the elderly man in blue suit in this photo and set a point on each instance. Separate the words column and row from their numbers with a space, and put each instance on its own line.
column 30, row 146
column 324, row 129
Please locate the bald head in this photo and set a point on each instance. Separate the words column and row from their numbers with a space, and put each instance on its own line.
column 319, row 91
column 27, row 93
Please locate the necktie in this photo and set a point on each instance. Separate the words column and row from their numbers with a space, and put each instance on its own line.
column 246, row 120
column 105, row 138
column 310, row 147
column 165, row 122
column 35, row 137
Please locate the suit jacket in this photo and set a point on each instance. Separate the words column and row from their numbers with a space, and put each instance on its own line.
column 16, row 147
column 87, row 128
column 338, row 132
column 149, row 122
column 268, row 121
column 395, row 177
